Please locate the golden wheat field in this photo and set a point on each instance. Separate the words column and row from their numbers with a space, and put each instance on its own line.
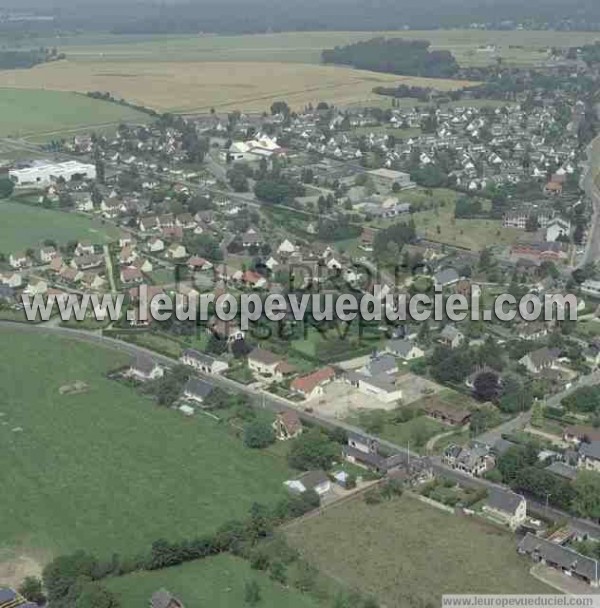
column 198, row 86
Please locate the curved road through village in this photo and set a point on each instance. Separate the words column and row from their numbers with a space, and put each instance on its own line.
column 275, row 403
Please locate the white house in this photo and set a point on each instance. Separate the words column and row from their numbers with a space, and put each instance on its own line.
column 506, row 506
column 203, row 362
column 145, row 368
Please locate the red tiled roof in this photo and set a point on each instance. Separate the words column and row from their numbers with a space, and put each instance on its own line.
column 306, row 384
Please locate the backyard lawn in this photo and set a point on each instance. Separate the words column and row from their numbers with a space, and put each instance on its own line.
column 217, row 582
column 409, row 554
column 108, row 470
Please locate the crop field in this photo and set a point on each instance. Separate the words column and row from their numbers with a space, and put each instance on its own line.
column 44, row 114
column 514, row 47
column 217, row 582
column 108, row 470
column 198, row 86
column 409, row 554
column 23, row 226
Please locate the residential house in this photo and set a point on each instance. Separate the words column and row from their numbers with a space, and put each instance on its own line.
column 506, row 506
column 130, row 275
column 164, row 599
column 317, row 481
column 589, row 456
column 176, row 252
column 557, row 228
column 263, row 362
column 451, row 337
column 197, row 390
column 85, row 248
column 446, row 414
column 198, row 263
column 383, row 387
column 145, row 368
column 87, row 261
column 155, row 245
column 287, row 425
column 311, row 385
column 18, row 260
column 577, row 434
column 225, row 330
column 474, row 461
column 203, row 362
column 540, row 360
column 445, row 278
column 47, row 254
column 404, row 349
column 11, row 279
column 564, row 559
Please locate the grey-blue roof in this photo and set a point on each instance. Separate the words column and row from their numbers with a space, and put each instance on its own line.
column 197, row 387
column 590, row 450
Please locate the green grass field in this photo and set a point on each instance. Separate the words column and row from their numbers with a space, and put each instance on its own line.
column 108, row 470
column 515, row 47
column 43, row 114
column 23, row 226
column 217, row 582
column 409, row 554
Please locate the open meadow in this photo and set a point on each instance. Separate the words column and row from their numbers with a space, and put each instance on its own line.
column 178, row 86
column 25, row 226
column 409, row 554
column 471, row 47
column 217, row 582
column 108, row 470
column 45, row 114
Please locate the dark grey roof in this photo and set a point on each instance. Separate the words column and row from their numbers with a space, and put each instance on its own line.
column 383, row 364
column 447, row 276
column 399, row 347
column 502, row 446
column 371, row 459
column 198, row 388
column 590, row 450
column 198, row 356
column 264, row 356
column 144, row 364
column 161, row 599
column 504, row 500
column 562, row 470
column 7, row 595
column 560, row 556
column 312, row 479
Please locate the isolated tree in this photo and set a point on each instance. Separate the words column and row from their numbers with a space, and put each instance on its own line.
column 7, row 187
column 258, row 434
column 31, row 590
column 486, row 386
column 312, row 450
column 587, row 494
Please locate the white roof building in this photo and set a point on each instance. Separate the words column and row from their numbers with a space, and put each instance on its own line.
column 44, row 173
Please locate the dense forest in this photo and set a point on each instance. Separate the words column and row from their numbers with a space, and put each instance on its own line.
column 14, row 60
column 395, row 56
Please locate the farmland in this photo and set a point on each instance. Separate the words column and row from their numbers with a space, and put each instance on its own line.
column 409, row 554
column 515, row 47
column 44, row 114
column 198, row 86
column 24, row 226
column 217, row 582
column 107, row 470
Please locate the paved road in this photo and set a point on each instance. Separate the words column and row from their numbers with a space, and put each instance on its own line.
column 588, row 183
column 278, row 404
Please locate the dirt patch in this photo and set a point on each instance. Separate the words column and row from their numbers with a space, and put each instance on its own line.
column 14, row 570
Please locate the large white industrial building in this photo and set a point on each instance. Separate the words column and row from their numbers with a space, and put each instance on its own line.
column 44, row 173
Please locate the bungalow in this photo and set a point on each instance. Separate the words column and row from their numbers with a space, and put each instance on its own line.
column 144, row 368
column 311, row 385
column 404, row 349
column 564, row 559
column 176, row 252
column 286, row 248
column 287, row 425
column 317, row 481
column 474, row 461
column 251, row 238
column 197, row 390
column 540, row 360
column 446, row 414
column 383, row 386
column 508, row 507
column 203, row 362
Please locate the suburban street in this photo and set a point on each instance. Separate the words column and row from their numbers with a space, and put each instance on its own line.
column 278, row 404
